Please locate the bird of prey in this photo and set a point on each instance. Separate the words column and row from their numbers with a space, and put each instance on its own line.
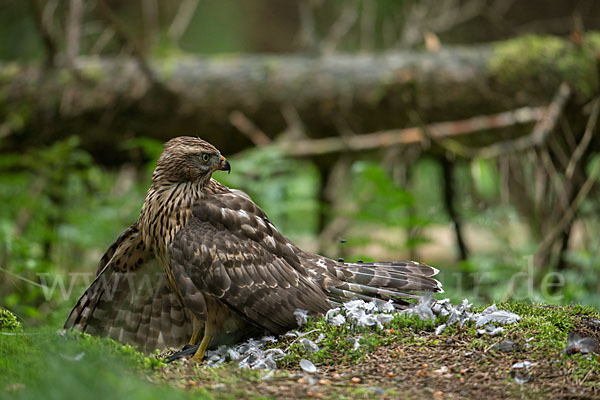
column 204, row 265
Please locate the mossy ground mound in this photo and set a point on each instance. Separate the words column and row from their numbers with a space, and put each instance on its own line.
column 404, row 360
column 407, row 360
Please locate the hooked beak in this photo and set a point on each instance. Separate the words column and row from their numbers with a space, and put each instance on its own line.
column 224, row 165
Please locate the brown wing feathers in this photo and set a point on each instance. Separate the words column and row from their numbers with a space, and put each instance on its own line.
column 130, row 300
column 251, row 273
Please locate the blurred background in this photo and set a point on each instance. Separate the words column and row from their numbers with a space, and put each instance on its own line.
column 461, row 133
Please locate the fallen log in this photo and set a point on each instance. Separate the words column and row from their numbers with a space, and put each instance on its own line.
column 107, row 100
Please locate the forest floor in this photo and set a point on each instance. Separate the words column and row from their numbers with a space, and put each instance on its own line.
column 405, row 359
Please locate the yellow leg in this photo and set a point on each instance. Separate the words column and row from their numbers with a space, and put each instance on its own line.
column 199, row 355
column 197, row 326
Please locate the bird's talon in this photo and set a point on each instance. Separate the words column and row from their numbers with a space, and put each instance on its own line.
column 186, row 351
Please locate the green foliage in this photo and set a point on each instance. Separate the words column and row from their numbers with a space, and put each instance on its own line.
column 486, row 178
column 376, row 200
column 60, row 210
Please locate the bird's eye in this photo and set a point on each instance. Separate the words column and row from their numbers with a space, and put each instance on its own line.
column 205, row 157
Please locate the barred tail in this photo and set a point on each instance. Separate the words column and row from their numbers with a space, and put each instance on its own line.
column 399, row 281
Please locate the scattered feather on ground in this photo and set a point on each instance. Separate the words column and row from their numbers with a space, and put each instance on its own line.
column 358, row 313
column 580, row 344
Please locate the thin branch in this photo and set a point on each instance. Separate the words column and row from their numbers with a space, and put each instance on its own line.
column 569, row 214
column 74, row 20
column 150, row 24
column 437, row 16
column 540, row 182
column 41, row 19
column 367, row 25
column 337, row 182
column 295, row 128
column 21, row 277
column 248, row 128
column 182, row 19
column 103, row 40
column 126, row 40
column 559, row 186
column 411, row 135
column 498, row 9
column 585, row 140
column 448, row 198
column 308, row 36
column 538, row 136
column 557, row 148
column 457, row 15
column 340, row 28
column 48, row 15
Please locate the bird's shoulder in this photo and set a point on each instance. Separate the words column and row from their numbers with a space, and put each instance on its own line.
column 231, row 220
column 230, row 207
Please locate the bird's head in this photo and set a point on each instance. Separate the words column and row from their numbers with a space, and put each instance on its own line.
column 188, row 159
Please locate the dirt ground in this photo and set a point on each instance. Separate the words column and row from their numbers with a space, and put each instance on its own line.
column 438, row 369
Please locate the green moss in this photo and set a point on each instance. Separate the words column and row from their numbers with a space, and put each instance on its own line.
column 9, row 322
column 547, row 61
column 128, row 354
column 44, row 364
